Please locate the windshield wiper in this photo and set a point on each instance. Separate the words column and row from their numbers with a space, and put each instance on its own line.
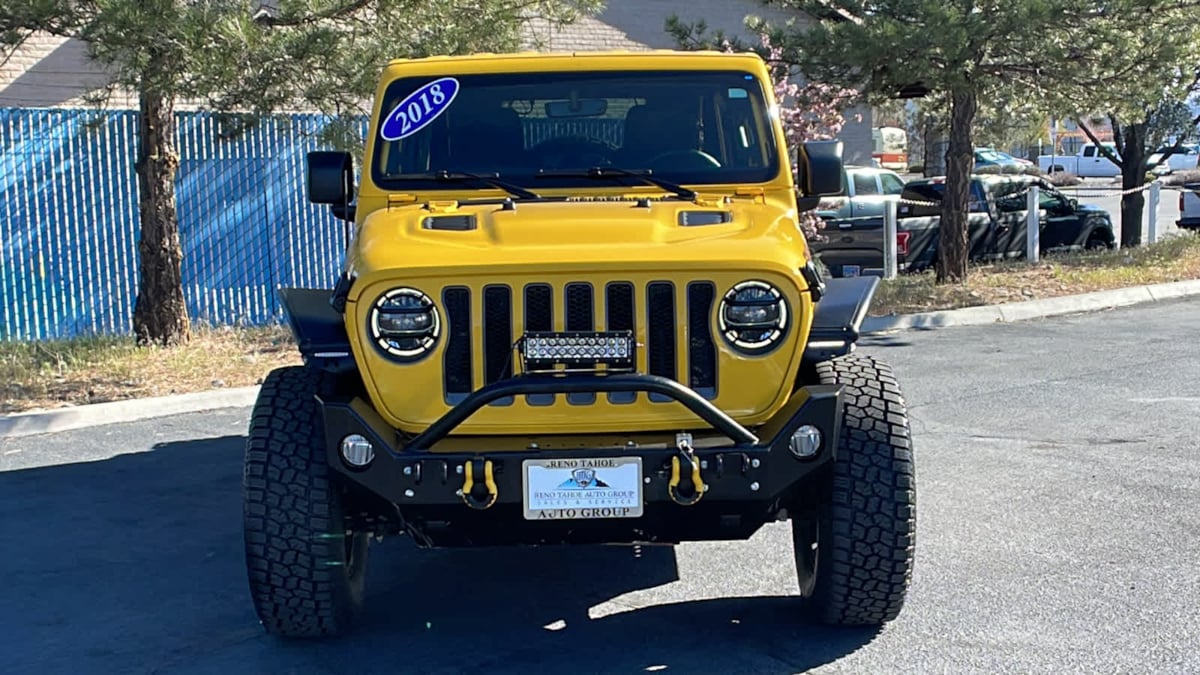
column 449, row 176
column 600, row 172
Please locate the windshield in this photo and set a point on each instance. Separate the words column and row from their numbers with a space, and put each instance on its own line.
column 694, row 127
column 992, row 156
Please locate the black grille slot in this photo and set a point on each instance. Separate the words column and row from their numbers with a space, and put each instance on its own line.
column 579, row 307
column 539, row 308
column 497, row 336
column 660, row 332
column 618, row 304
column 702, row 353
column 580, row 317
column 539, row 316
column 456, row 362
column 618, row 310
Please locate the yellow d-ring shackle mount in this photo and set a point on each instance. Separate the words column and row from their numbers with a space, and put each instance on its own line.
column 489, row 482
column 698, row 486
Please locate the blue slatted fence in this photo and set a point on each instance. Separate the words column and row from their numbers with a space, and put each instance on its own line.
column 69, row 226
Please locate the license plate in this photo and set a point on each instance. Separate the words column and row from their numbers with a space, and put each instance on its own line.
column 851, row 270
column 582, row 488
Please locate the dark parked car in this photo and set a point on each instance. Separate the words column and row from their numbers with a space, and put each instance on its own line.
column 994, row 161
column 996, row 226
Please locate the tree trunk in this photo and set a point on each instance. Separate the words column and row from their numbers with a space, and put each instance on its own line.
column 953, row 251
column 1133, row 175
column 160, row 314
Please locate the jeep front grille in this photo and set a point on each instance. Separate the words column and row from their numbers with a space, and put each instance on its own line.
column 580, row 306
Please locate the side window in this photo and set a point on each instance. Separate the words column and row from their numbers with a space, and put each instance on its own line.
column 864, row 184
column 892, row 185
column 978, row 202
column 1011, row 204
column 1049, row 200
column 1089, row 151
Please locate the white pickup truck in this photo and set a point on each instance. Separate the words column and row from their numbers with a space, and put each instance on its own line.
column 1091, row 162
column 1189, row 207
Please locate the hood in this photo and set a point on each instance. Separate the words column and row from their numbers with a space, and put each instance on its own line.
column 1092, row 208
column 739, row 231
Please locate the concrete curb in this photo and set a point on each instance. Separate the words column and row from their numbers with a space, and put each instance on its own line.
column 96, row 414
column 1032, row 309
column 32, row 423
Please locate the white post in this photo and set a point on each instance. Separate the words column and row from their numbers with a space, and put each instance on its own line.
column 889, row 239
column 1033, row 224
column 1152, row 214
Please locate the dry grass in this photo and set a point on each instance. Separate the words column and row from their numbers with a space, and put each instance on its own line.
column 1173, row 259
column 40, row 375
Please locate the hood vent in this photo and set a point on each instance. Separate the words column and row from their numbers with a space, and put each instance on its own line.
column 697, row 218
column 456, row 223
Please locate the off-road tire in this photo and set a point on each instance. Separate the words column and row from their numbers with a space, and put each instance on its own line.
column 1096, row 241
column 306, row 572
column 854, row 550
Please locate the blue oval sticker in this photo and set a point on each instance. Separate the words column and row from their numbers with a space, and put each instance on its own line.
column 418, row 109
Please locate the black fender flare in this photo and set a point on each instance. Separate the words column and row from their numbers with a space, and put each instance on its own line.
column 319, row 329
column 838, row 317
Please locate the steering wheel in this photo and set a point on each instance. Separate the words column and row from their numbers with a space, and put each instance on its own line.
column 685, row 160
column 572, row 152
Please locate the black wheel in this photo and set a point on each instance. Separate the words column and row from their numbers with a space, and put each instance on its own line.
column 854, row 549
column 1097, row 242
column 306, row 570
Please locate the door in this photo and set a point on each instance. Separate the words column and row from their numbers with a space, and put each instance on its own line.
column 1061, row 224
column 981, row 229
column 1011, row 222
column 868, row 199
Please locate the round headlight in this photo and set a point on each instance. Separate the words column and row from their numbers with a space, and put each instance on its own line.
column 405, row 324
column 753, row 317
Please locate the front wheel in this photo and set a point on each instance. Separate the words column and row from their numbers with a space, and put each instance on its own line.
column 854, row 549
column 306, row 568
column 1097, row 242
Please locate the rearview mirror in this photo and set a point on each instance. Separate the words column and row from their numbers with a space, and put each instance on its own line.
column 587, row 107
column 821, row 168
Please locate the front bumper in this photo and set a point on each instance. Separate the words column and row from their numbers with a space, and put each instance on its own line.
column 743, row 480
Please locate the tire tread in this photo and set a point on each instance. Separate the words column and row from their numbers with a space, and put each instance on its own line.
column 294, row 555
column 872, row 500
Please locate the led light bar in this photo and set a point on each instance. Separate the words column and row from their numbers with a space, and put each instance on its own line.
column 579, row 350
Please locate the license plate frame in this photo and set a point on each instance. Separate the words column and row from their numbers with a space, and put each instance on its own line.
column 851, row 270
column 606, row 488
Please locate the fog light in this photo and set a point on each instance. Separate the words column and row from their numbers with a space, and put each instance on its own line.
column 806, row 441
column 358, row 451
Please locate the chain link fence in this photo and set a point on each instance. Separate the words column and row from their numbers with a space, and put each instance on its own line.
column 69, row 220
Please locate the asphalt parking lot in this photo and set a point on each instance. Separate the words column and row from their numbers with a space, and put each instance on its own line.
column 1058, row 531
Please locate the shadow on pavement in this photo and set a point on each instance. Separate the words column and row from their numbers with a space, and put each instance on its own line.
column 884, row 340
column 135, row 564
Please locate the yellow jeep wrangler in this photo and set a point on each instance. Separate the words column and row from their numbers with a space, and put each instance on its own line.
column 577, row 308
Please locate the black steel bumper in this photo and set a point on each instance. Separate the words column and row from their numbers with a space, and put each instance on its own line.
column 746, row 469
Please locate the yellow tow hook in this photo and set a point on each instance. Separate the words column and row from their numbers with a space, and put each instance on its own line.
column 479, row 502
column 697, row 488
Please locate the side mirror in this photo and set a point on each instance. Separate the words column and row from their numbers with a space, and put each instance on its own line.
column 1074, row 203
column 330, row 177
column 821, row 170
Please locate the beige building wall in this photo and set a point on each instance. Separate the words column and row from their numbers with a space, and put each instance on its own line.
column 54, row 72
